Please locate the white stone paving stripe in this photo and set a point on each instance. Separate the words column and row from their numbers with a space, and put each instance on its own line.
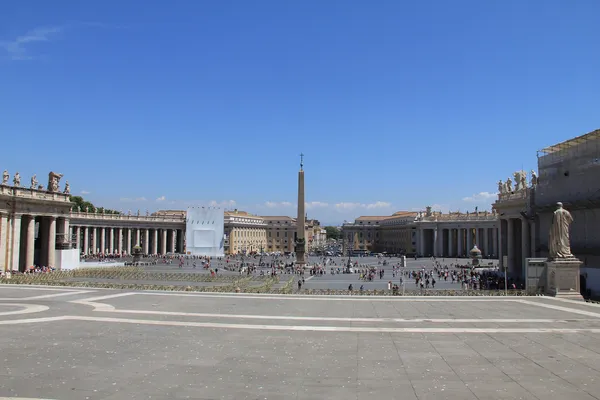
column 339, row 319
column 559, row 308
column 34, row 320
column 49, row 296
column 109, row 296
column 325, row 328
column 21, row 398
column 34, row 287
column 583, row 303
column 335, row 298
column 44, row 296
column 304, row 328
column 27, row 309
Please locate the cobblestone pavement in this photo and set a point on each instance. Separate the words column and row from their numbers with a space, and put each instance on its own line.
column 337, row 281
column 59, row 343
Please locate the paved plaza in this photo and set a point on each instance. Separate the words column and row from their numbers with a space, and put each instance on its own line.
column 70, row 343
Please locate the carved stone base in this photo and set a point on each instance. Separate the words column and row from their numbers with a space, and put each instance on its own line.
column 563, row 278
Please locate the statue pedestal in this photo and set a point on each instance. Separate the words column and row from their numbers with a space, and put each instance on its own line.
column 563, row 278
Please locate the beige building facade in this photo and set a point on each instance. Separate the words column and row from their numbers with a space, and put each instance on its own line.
column 244, row 233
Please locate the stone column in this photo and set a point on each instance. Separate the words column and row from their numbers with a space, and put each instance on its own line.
column 111, row 240
column 102, row 240
column 163, row 244
column 94, row 240
column 15, row 242
column 510, row 249
column 51, row 241
column 533, row 239
column 30, row 245
column 137, row 237
column 461, row 235
column 486, row 241
column 174, row 241
column 179, row 248
column 120, row 240
column 86, row 240
column 495, row 241
column 128, row 244
column 436, row 245
column 67, row 231
column 146, row 240
column 469, row 232
column 451, row 243
column 525, row 247
column 3, row 241
column 155, row 241
column 77, row 230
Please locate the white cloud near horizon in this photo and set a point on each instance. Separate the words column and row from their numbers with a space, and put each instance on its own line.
column 315, row 204
column 347, row 206
column 132, row 199
column 84, row 192
column 480, row 197
column 223, row 203
column 276, row 204
column 161, row 198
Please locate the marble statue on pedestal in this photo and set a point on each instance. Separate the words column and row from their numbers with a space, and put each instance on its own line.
column 500, row 186
column 559, row 245
column 34, row 182
column 520, row 180
column 67, row 188
column 517, row 177
column 5, row 177
column 534, row 178
column 53, row 181
column 147, row 212
column 509, row 187
column 138, row 212
column 129, row 213
column 17, row 180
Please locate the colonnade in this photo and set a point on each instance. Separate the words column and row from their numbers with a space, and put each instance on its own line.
column 458, row 242
column 91, row 240
column 517, row 243
column 22, row 245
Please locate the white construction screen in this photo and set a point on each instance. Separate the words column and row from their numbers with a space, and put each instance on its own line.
column 204, row 231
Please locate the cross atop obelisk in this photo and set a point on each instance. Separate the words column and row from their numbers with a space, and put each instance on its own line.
column 300, row 219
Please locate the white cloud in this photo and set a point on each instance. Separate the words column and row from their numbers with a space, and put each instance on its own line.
column 17, row 47
column 130, row 200
column 315, row 204
column 275, row 204
column 84, row 192
column 480, row 197
column 378, row 204
column 224, row 203
column 161, row 198
column 346, row 206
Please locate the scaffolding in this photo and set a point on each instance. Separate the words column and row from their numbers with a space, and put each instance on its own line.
column 569, row 171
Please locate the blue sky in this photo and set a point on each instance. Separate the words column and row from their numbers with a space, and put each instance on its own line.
column 397, row 105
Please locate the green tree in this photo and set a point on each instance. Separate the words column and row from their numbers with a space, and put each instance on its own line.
column 332, row 232
column 85, row 205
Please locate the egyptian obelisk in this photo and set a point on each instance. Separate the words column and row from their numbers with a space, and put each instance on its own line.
column 301, row 219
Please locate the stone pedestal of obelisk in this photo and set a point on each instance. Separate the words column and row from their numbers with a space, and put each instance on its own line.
column 563, row 278
column 300, row 221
